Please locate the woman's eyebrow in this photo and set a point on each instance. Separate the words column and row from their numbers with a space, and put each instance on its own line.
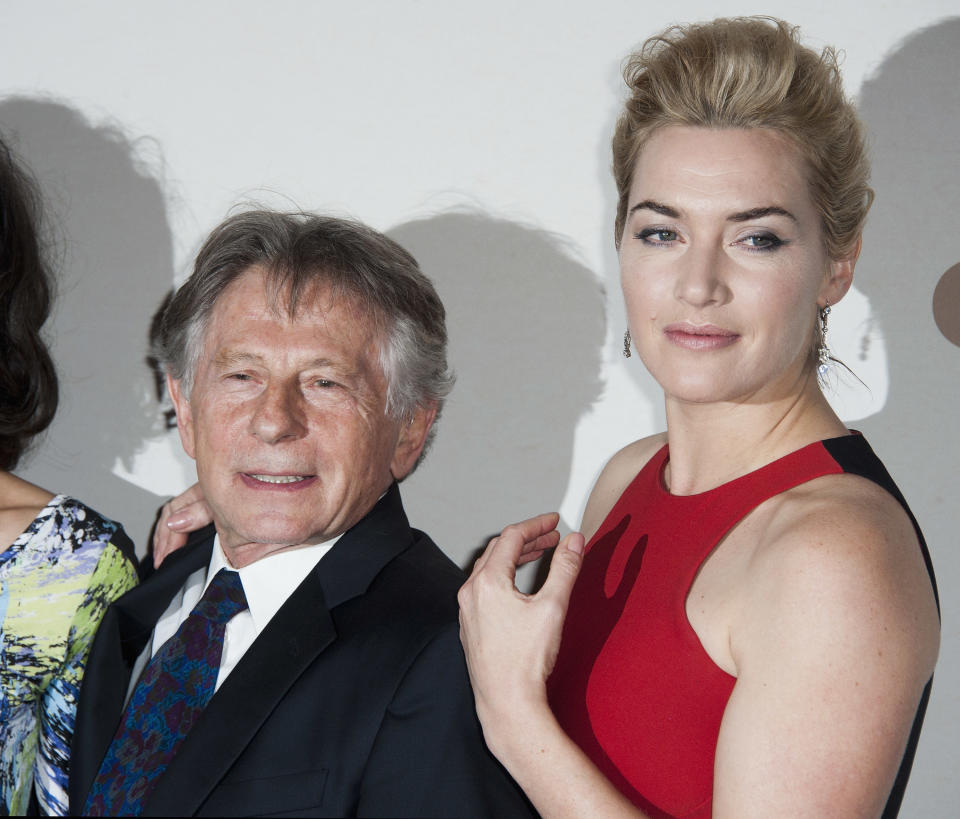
column 759, row 213
column 739, row 216
column 656, row 207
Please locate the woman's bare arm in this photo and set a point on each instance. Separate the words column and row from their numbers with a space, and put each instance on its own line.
column 837, row 638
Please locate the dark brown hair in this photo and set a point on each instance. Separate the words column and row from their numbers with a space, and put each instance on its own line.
column 28, row 380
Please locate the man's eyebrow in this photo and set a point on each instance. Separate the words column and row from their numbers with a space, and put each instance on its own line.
column 237, row 358
column 759, row 213
column 656, row 207
column 233, row 358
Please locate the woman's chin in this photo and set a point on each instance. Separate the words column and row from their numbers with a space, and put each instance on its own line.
column 698, row 390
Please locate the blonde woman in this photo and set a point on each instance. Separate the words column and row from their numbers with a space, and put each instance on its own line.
column 749, row 617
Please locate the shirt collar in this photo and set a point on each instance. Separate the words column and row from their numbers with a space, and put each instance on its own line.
column 268, row 582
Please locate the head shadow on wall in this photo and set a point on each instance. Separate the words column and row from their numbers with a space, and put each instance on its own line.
column 526, row 325
column 633, row 367
column 114, row 261
column 911, row 107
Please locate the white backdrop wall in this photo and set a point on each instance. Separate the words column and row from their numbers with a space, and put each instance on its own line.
column 477, row 135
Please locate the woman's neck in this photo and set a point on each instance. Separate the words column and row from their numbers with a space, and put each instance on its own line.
column 711, row 444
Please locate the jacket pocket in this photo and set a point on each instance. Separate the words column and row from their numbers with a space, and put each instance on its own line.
column 286, row 794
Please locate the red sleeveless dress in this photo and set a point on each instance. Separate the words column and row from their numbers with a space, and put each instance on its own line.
column 632, row 686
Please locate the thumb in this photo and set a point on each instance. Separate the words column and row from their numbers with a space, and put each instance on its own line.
column 564, row 568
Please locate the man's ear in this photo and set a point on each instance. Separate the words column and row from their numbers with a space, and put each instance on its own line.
column 181, row 405
column 413, row 437
column 840, row 276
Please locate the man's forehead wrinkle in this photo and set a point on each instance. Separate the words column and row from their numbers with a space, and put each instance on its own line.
column 227, row 356
column 231, row 356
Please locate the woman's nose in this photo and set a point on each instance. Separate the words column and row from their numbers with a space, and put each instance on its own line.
column 702, row 277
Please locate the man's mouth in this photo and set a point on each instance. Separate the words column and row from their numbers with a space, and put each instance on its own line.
column 276, row 479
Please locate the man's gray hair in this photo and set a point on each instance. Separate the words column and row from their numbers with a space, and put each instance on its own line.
column 299, row 252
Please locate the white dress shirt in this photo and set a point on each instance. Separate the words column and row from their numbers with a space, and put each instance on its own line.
column 267, row 583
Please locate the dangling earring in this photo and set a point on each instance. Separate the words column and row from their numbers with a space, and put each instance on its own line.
column 626, row 344
column 823, row 351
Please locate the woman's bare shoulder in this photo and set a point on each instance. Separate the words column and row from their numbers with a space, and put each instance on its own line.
column 20, row 503
column 847, row 517
column 844, row 546
column 615, row 477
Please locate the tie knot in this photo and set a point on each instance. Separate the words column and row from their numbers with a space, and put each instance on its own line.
column 223, row 598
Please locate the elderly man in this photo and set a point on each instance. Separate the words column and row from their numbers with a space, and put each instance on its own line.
column 301, row 655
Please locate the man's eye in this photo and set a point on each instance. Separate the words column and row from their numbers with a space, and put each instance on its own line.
column 238, row 377
column 324, row 382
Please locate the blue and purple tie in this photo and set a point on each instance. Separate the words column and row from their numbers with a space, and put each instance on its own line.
column 169, row 698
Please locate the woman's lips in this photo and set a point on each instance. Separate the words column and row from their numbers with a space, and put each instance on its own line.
column 700, row 336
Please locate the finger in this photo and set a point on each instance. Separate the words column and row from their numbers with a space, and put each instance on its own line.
column 165, row 542
column 564, row 568
column 188, row 496
column 481, row 561
column 536, row 550
column 160, row 532
column 189, row 518
column 535, row 534
column 529, row 557
column 540, row 528
column 178, row 517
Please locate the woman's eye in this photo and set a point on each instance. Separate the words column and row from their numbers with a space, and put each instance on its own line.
column 323, row 382
column 657, row 236
column 238, row 377
column 762, row 241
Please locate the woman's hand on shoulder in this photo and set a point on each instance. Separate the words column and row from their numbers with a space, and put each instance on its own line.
column 511, row 639
column 834, row 643
column 615, row 477
column 179, row 516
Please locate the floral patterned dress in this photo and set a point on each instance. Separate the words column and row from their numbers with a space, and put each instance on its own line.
column 56, row 581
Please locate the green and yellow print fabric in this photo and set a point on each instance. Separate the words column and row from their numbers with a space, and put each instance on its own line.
column 56, row 581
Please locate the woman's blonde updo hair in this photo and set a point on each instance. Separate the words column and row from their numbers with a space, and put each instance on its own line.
column 751, row 73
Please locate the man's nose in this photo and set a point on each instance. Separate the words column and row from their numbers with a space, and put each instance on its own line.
column 279, row 414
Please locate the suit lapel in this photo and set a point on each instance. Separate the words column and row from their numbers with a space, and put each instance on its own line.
column 292, row 640
column 121, row 637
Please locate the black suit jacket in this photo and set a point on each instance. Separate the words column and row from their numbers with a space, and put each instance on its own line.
column 354, row 700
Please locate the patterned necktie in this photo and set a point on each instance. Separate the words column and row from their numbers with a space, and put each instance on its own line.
column 169, row 698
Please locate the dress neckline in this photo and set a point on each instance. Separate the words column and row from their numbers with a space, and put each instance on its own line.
column 663, row 455
column 21, row 540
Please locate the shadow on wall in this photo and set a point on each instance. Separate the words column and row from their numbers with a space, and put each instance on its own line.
column 632, row 368
column 115, row 262
column 526, row 325
column 912, row 110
